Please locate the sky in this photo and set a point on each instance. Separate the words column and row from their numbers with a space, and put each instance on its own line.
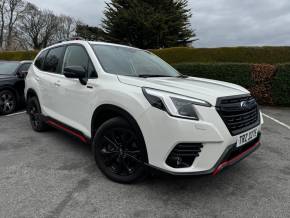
column 217, row 23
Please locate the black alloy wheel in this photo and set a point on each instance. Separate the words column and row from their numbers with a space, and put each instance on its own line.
column 34, row 111
column 7, row 102
column 119, row 151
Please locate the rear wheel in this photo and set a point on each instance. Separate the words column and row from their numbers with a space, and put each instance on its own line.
column 36, row 119
column 119, row 151
column 8, row 102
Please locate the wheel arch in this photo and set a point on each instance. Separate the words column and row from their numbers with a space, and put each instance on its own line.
column 108, row 111
column 31, row 93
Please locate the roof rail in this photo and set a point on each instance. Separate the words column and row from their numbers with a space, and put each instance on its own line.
column 70, row 39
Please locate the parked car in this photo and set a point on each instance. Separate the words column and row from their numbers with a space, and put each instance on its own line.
column 12, row 74
column 138, row 112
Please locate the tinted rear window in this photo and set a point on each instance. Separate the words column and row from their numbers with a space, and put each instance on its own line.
column 53, row 60
column 40, row 59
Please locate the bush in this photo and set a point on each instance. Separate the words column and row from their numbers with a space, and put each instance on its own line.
column 281, row 85
column 229, row 72
column 269, row 84
column 18, row 55
column 269, row 55
column 262, row 75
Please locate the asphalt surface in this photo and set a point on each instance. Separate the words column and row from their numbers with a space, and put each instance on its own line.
column 54, row 175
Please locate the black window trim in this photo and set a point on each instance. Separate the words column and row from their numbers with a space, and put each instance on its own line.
column 58, row 71
column 43, row 51
column 47, row 52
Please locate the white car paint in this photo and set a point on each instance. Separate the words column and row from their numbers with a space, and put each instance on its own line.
column 73, row 104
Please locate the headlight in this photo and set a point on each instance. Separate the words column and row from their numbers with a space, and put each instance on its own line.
column 174, row 104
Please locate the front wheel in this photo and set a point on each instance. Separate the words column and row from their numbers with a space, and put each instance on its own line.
column 120, row 152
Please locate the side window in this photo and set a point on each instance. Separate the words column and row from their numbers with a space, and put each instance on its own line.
column 24, row 67
column 53, row 60
column 76, row 55
column 39, row 61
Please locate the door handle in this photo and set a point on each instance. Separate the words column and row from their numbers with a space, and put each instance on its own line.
column 37, row 78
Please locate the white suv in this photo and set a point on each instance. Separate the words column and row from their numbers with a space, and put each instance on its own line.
column 138, row 112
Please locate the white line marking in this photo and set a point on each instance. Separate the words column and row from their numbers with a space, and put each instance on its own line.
column 11, row 115
column 277, row 121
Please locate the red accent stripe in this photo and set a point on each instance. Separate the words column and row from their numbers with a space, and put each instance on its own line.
column 82, row 138
column 229, row 162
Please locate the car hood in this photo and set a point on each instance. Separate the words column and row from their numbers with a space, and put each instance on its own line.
column 205, row 89
column 6, row 77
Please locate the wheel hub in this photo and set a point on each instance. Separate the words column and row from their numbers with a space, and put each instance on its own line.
column 7, row 104
column 120, row 152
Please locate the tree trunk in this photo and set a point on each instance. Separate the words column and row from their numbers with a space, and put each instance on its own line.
column 10, row 28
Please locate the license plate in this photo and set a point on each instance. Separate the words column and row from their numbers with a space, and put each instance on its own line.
column 247, row 137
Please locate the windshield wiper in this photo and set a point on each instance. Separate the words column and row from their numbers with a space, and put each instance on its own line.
column 152, row 75
column 182, row 76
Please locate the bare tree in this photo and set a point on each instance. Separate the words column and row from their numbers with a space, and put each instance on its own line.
column 24, row 26
column 2, row 21
column 31, row 26
column 51, row 27
column 15, row 9
column 38, row 27
column 66, row 28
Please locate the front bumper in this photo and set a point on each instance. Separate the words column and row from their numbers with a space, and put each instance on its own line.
column 162, row 133
column 229, row 158
column 234, row 155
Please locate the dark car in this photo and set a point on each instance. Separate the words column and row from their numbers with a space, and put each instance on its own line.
column 12, row 75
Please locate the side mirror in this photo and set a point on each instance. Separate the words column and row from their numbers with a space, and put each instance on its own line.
column 22, row 74
column 76, row 72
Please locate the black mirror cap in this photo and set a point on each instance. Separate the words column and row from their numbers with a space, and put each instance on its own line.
column 75, row 72
column 22, row 74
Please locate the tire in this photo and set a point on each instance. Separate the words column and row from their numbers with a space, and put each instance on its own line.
column 120, row 151
column 36, row 119
column 8, row 102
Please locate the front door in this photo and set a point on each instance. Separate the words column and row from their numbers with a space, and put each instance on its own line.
column 73, row 98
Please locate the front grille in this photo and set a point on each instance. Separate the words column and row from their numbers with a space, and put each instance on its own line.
column 238, row 113
column 183, row 155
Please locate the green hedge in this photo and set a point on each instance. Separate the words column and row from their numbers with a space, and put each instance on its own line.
column 229, row 72
column 276, row 91
column 281, row 85
column 273, row 91
column 270, row 55
column 18, row 55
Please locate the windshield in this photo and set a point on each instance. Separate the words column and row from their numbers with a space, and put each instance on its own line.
column 132, row 62
column 8, row 68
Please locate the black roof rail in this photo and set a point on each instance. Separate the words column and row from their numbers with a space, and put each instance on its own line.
column 70, row 39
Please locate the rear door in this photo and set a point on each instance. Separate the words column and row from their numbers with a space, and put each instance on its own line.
column 48, row 78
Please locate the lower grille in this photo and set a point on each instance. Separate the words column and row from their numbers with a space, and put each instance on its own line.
column 239, row 113
column 183, row 155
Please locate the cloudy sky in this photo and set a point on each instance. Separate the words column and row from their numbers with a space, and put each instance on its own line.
column 217, row 22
